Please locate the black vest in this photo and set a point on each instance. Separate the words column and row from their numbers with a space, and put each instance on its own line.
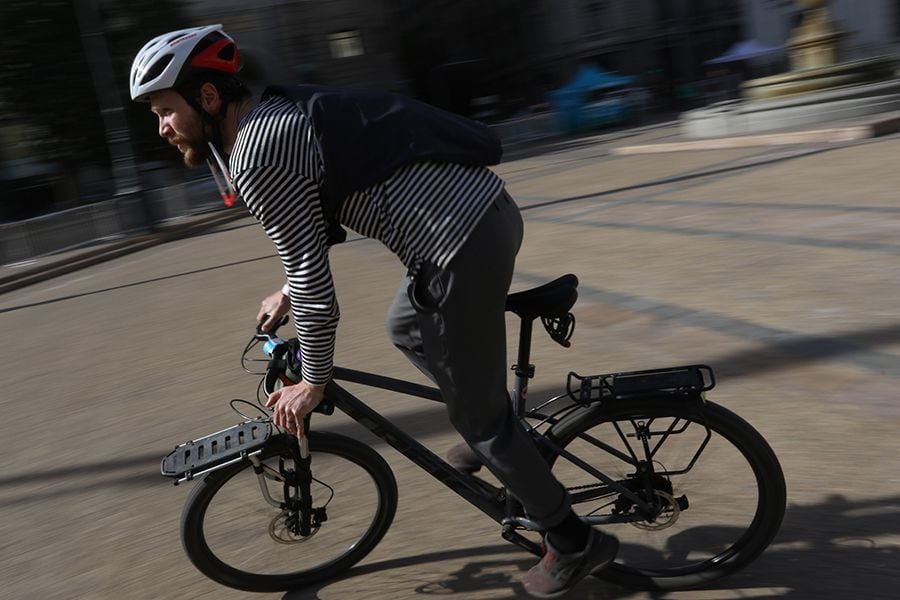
column 364, row 136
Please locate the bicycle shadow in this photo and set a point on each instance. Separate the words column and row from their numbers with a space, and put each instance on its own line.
column 833, row 550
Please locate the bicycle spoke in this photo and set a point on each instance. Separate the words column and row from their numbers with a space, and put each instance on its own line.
column 716, row 489
column 251, row 528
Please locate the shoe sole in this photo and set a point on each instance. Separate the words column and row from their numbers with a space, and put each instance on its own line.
column 600, row 567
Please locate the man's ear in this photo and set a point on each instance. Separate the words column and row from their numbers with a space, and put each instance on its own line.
column 210, row 100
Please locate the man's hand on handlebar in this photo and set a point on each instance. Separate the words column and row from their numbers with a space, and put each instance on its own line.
column 272, row 309
column 292, row 404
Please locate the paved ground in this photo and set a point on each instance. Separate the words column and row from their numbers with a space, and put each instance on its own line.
column 778, row 266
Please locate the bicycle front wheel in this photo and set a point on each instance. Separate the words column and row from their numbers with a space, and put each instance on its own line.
column 237, row 527
column 716, row 485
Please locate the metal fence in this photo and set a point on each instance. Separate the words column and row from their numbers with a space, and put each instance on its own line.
column 117, row 218
column 527, row 128
column 127, row 215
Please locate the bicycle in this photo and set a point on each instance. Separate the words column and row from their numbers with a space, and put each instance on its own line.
column 692, row 490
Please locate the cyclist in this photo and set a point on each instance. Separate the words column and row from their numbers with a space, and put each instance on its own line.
column 452, row 225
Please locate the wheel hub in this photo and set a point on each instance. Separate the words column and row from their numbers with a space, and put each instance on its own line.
column 284, row 529
column 669, row 510
column 660, row 496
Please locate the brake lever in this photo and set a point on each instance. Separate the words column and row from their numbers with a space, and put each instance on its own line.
column 266, row 335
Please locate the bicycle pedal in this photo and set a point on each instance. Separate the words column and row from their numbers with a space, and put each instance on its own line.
column 216, row 450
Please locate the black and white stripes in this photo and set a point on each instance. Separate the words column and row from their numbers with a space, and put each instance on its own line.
column 424, row 212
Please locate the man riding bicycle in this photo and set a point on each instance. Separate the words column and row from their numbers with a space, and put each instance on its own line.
column 303, row 172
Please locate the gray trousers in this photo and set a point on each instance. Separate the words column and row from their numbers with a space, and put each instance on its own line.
column 451, row 324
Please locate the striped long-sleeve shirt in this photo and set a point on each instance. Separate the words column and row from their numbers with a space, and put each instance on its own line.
column 423, row 212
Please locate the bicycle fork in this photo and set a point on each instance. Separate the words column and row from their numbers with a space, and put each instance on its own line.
column 297, row 515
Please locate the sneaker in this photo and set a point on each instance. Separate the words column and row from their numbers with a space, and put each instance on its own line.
column 462, row 458
column 557, row 573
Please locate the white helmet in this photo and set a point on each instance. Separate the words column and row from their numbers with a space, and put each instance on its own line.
column 168, row 60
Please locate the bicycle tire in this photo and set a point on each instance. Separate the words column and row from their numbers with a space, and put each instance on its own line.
column 723, row 527
column 234, row 537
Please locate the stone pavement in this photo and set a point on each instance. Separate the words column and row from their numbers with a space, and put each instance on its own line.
column 778, row 266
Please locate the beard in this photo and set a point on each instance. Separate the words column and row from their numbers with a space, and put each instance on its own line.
column 194, row 141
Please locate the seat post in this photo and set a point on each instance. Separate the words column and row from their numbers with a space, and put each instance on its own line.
column 522, row 368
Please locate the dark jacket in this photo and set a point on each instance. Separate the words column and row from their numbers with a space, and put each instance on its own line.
column 363, row 136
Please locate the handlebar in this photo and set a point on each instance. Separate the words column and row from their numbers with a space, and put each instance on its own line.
column 269, row 338
column 263, row 335
column 284, row 363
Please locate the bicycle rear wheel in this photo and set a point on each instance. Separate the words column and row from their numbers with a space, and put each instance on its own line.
column 718, row 486
column 236, row 536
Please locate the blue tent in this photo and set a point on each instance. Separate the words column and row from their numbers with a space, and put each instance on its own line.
column 590, row 78
column 746, row 50
column 568, row 100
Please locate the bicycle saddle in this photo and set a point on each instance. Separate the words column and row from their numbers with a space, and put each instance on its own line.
column 553, row 299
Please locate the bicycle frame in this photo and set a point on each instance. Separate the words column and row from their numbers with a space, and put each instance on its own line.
column 502, row 510
column 492, row 501
column 593, row 413
column 464, row 485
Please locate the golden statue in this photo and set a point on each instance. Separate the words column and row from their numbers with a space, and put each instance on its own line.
column 814, row 43
column 815, row 60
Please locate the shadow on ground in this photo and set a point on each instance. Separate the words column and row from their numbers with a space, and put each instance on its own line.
column 826, row 551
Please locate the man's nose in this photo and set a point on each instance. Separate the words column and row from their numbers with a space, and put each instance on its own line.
column 165, row 130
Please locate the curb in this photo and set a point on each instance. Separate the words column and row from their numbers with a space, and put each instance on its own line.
column 875, row 128
column 41, row 273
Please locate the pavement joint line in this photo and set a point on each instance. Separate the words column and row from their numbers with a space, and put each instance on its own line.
column 726, row 204
column 808, row 347
column 877, row 247
column 95, row 256
column 135, row 283
column 723, row 169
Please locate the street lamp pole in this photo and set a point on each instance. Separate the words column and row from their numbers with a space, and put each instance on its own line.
column 124, row 170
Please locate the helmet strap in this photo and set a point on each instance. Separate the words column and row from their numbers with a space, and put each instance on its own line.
column 216, row 144
column 225, row 185
column 214, row 121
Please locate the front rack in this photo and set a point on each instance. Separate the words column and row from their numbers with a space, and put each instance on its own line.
column 689, row 380
column 216, row 450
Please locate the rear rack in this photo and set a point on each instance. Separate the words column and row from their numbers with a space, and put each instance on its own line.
column 216, row 450
column 689, row 380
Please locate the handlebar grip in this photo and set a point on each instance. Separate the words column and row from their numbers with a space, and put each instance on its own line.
column 274, row 329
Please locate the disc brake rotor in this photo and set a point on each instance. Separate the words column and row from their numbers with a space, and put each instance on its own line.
column 281, row 532
column 668, row 514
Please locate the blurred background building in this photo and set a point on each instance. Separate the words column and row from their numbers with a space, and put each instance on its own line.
column 499, row 61
column 450, row 52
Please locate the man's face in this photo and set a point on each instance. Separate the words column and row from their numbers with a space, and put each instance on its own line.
column 180, row 124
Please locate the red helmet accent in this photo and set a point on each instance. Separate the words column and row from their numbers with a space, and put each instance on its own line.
column 210, row 58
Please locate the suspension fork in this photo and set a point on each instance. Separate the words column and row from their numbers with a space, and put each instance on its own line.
column 300, row 519
column 299, row 504
column 260, row 471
